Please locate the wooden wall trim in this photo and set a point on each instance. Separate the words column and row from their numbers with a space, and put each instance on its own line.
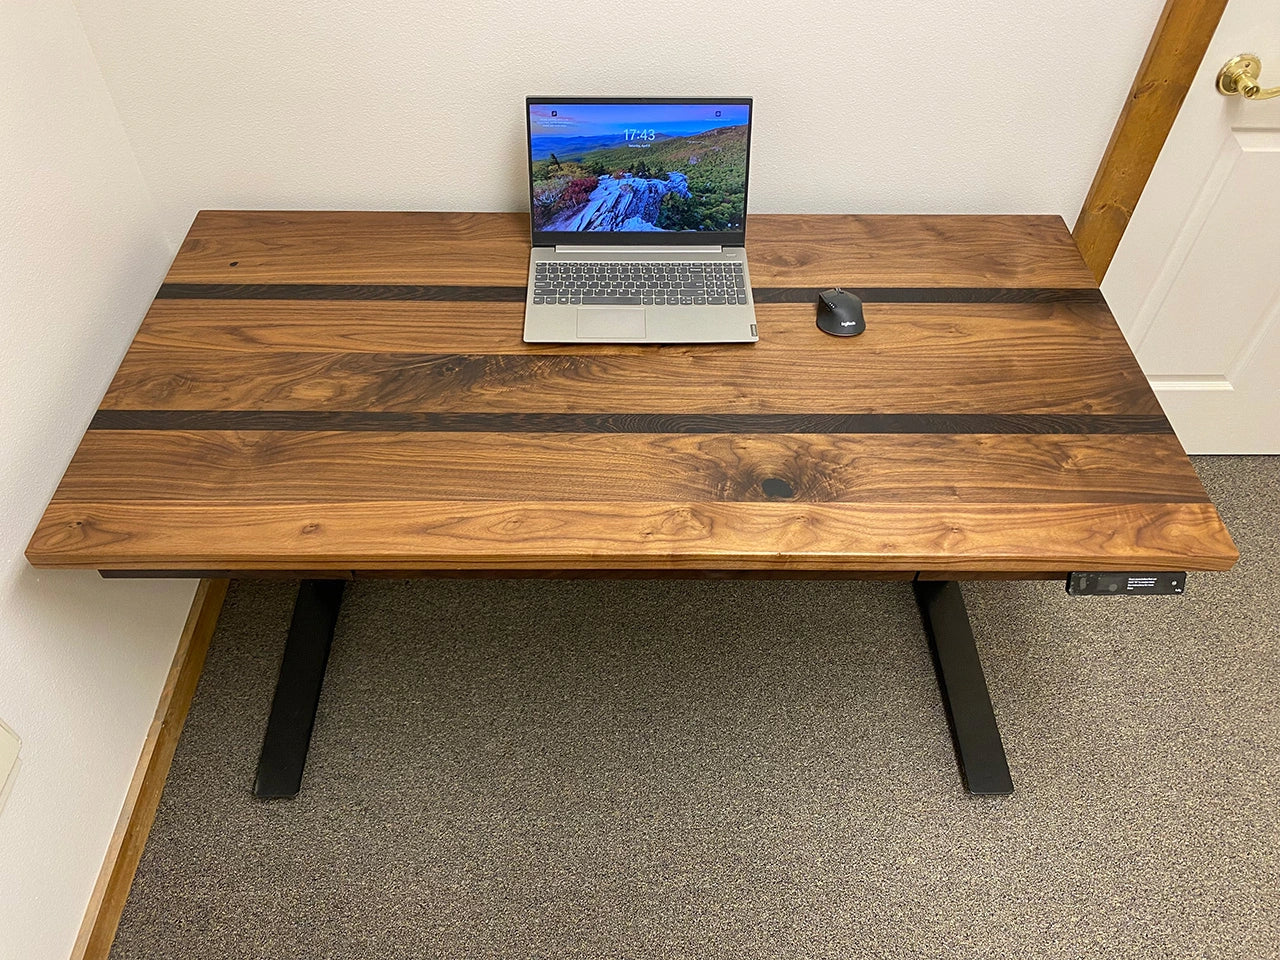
column 1177, row 48
column 106, row 904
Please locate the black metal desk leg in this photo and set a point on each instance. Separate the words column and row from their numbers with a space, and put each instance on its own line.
column 964, row 688
column 293, row 710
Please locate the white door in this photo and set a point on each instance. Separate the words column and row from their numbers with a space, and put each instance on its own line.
column 1195, row 283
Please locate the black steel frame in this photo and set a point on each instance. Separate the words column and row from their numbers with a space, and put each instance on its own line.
column 979, row 751
column 293, row 709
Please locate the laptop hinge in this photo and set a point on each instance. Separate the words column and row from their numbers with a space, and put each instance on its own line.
column 580, row 249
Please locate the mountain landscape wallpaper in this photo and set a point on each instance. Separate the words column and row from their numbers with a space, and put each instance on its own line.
column 638, row 167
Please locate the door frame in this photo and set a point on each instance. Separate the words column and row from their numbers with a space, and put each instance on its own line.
column 1168, row 68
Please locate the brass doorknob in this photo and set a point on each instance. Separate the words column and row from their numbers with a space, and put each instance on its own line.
column 1240, row 75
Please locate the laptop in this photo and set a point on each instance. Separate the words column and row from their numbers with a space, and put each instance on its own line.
column 639, row 213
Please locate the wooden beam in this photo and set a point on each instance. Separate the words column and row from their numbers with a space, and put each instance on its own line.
column 1177, row 47
column 106, row 904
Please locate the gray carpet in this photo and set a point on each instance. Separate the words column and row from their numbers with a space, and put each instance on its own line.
column 738, row 769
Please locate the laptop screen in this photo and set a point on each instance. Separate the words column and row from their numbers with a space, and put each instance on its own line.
column 651, row 171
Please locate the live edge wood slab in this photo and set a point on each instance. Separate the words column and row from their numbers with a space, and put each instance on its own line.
column 343, row 394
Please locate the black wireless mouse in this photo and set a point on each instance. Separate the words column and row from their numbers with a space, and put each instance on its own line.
column 840, row 313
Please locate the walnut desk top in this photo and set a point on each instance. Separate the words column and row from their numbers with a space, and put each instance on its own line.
column 338, row 394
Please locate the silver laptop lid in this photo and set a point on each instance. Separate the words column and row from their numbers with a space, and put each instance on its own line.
column 638, row 171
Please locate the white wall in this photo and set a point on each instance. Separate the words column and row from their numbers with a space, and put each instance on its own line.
column 418, row 105
column 82, row 661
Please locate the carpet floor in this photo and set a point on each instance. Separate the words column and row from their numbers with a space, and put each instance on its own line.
column 662, row 769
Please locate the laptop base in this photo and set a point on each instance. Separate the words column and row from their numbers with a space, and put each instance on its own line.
column 627, row 323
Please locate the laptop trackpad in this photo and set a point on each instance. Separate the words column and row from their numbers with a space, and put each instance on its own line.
column 611, row 323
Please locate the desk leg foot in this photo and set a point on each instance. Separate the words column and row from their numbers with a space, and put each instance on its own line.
column 964, row 689
column 293, row 710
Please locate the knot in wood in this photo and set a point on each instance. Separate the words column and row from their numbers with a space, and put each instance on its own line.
column 777, row 488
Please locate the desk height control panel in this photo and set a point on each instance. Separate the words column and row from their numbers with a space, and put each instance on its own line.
column 1126, row 584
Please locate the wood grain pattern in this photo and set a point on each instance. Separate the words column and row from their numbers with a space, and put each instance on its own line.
column 1029, row 367
column 469, row 248
column 236, row 246
column 1001, row 427
column 978, row 251
column 537, row 573
column 1177, row 47
column 106, row 903
column 339, row 466
column 788, row 330
column 462, row 535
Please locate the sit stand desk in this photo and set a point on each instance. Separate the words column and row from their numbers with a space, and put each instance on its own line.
column 332, row 395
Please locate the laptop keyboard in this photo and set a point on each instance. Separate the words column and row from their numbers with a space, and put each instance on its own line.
column 659, row 283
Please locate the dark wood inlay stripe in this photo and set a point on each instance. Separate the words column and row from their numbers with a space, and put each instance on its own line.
column 513, row 294
column 337, row 291
column 934, row 294
column 836, row 423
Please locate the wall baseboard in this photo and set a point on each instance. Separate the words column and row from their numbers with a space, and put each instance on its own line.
column 106, row 904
